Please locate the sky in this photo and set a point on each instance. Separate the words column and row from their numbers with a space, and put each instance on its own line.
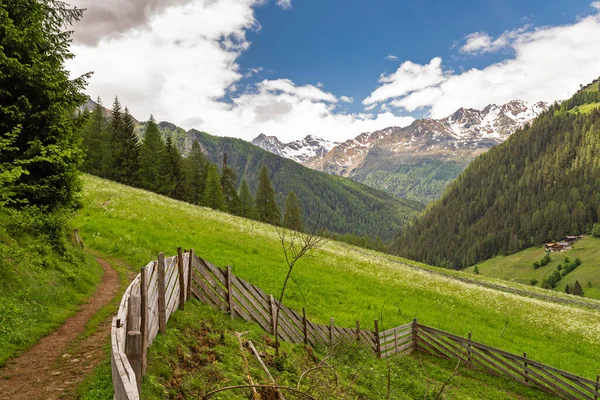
column 330, row 68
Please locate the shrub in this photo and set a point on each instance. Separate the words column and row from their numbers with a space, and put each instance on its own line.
column 545, row 260
column 559, row 267
column 536, row 265
column 533, row 282
column 476, row 270
column 596, row 230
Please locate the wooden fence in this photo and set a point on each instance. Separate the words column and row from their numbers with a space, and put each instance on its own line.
column 155, row 294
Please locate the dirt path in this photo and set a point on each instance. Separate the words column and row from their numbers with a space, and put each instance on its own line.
column 58, row 362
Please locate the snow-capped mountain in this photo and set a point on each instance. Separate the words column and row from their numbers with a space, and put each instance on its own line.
column 303, row 151
column 463, row 135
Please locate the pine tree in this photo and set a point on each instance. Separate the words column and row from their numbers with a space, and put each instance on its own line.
column 96, row 141
column 247, row 207
column 116, row 133
column 152, row 158
column 577, row 289
column 213, row 194
column 174, row 185
column 130, row 162
column 196, row 169
column 568, row 289
column 266, row 206
column 292, row 218
column 232, row 199
column 39, row 150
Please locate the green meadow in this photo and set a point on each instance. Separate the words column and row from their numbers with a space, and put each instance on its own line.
column 337, row 280
column 518, row 267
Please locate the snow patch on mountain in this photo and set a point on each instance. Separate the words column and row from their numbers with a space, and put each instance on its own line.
column 302, row 151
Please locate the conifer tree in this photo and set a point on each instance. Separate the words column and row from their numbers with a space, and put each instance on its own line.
column 292, row 218
column 96, row 141
column 568, row 289
column 266, row 206
column 174, row 185
column 116, row 133
column 39, row 151
column 247, row 206
column 131, row 152
column 577, row 289
column 213, row 194
column 196, row 168
column 152, row 158
column 228, row 183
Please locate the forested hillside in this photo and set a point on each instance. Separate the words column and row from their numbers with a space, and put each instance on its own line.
column 539, row 185
column 192, row 166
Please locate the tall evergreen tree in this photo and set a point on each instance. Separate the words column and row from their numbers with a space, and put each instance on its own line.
column 292, row 218
column 247, row 206
column 130, row 162
column 196, row 169
column 213, row 194
column 174, row 185
column 39, row 150
column 96, row 141
column 152, row 158
column 116, row 135
column 266, row 206
column 577, row 289
column 228, row 183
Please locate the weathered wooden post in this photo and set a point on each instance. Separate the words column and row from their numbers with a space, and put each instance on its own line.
column 377, row 341
column 415, row 334
column 134, row 341
column 357, row 330
column 525, row 367
column 395, row 341
column 273, row 314
column 144, row 316
column 331, row 327
column 181, row 279
column 190, row 268
column 597, row 396
column 229, row 292
column 304, row 326
column 469, row 350
column 162, row 310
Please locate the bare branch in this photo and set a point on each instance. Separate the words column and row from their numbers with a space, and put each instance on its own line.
column 296, row 392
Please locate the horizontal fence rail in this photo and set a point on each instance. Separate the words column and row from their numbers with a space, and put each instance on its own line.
column 164, row 286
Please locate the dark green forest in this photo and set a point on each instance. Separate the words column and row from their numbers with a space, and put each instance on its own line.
column 540, row 185
column 187, row 165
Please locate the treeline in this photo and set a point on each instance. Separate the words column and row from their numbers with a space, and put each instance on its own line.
column 538, row 186
column 113, row 151
column 587, row 95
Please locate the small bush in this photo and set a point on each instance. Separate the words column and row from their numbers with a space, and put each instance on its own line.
column 533, row 282
column 559, row 267
column 536, row 265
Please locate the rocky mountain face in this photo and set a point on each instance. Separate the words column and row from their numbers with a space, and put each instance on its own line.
column 304, row 151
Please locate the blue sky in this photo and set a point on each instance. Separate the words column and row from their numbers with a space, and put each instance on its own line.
column 295, row 67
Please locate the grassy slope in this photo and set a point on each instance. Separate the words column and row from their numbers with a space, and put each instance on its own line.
column 200, row 352
column 518, row 267
column 338, row 280
column 39, row 286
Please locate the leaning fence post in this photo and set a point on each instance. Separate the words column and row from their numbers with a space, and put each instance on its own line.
column 162, row 311
column 229, row 292
column 304, row 326
column 377, row 341
column 415, row 334
column 525, row 367
column 144, row 316
column 181, row 279
column 395, row 341
column 597, row 396
column 331, row 327
column 134, row 342
column 469, row 350
column 190, row 267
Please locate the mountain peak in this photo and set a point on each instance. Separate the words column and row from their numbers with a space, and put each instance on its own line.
column 302, row 151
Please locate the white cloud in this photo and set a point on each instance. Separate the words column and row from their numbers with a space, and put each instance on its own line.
column 407, row 78
column 347, row 99
column 183, row 64
column 546, row 64
column 481, row 42
column 596, row 5
column 391, row 57
column 285, row 4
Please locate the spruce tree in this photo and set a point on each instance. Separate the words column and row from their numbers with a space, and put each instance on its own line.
column 247, row 206
column 96, row 141
column 266, row 206
column 130, row 163
column 39, row 150
column 174, row 184
column 196, row 168
column 152, row 158
column 292, row 218
column 213, row 194
column 577, row 289
column 232, row 199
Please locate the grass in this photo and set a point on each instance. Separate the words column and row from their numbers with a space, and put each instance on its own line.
column 43, row 279
column 584, row 108
column 338, row 280
column 518, row 267
column 200, row 352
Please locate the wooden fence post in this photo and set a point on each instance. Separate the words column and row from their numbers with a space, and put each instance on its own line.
column 395, row 341
column 525, row 367
column 357, row 330
column 229, row 292
column 134, row 341
column 331, row 326
column 181, row 279
column 144, row 316
column 415, row 334
column 273, row 313
column 304, row 326
column 162, row 311
column 190, row 282
column 377, row 341
column 469, row 350
column 597, row 396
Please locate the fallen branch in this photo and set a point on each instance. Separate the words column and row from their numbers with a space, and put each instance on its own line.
column 264, row 367
column 255, row 394
column 296, row 392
